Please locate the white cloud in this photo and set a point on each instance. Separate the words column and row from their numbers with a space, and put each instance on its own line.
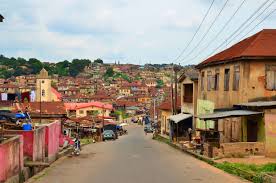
column 153, row 30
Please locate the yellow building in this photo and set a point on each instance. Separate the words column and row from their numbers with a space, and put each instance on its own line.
column 44, row 90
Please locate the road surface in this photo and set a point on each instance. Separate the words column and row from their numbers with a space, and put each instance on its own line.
column 133, row 158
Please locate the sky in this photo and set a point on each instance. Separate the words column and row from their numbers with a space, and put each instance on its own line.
column 129, row 31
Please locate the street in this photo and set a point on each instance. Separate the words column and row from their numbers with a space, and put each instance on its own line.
column 133, row 158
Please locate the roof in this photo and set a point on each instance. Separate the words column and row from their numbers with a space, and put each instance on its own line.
column 180, row 117
column 1, row 18
column 55, row 92
column 261, row 44
column 167, row 104
column 75, row 106
column 191, row 73
column 226, row 114
column 258, row 104
column 46, row 107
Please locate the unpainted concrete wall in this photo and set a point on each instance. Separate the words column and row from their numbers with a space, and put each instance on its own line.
column 11, row 157
column 270, row 131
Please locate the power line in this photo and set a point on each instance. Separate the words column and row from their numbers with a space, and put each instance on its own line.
column 245, row 27
column 261, row 21
column 252, row 15
column 204, row 36
column 183, row 51
column 217, row 35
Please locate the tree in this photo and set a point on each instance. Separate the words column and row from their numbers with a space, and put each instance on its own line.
column 36, row 65
column 160, row 83
column 109, row 72
column 99, row 61
column 77, row 66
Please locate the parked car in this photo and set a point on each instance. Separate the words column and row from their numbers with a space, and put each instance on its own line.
column 109, row 135
column 148, row 129
column 10, row 117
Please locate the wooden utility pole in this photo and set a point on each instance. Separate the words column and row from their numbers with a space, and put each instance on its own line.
column 172, row 95
column 176, row 70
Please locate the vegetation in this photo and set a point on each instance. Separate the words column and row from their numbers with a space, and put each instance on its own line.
column 109, row 72
column 98, row 61
column 20, row 66
column 160, row 83
column 252, row 172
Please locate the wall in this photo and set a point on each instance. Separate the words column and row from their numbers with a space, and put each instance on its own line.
column 270, row 132
column 53, row 131
column 164, row 120
column 33, row 143
column 78, row 114
column 242, row 148
column 204, row 107
column 251, row 86
column 11, row 157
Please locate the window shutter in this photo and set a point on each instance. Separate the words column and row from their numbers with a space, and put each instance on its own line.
column 213, row 82
column 270, row 80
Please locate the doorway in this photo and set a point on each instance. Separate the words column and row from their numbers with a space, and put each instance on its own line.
column 252, row 130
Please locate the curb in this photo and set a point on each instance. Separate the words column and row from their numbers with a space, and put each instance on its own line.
column 250, row 176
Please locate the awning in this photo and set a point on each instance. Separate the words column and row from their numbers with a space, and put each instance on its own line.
column 179, row 117
column 226, row 114
column 258, row 104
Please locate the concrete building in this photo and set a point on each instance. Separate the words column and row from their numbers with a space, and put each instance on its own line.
column 235, row 86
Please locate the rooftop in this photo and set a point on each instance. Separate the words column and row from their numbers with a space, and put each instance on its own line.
column 261, row 44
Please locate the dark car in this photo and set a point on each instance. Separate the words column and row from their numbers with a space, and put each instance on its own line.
column 109, row 135
column 10, row 117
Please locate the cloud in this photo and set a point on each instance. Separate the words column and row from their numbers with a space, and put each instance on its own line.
column 129, row 31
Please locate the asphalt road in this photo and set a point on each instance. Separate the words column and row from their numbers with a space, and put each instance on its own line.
column 133, row 158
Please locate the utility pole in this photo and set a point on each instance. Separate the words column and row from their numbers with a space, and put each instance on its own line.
column 172, row 98
column 175, row 69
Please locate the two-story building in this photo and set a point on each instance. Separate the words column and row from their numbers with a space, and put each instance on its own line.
column 236, row 97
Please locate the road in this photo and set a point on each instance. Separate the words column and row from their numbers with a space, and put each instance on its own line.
column 133, row 158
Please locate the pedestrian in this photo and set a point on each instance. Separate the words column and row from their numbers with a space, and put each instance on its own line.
column 190, row 131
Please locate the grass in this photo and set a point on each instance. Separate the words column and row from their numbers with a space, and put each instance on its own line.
column 86, row 141
column 251, row 172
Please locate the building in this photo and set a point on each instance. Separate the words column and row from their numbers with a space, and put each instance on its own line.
column 236, row 96
column 88, row 109
column 188, row 82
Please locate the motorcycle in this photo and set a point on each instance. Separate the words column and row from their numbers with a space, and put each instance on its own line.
column 76, row 148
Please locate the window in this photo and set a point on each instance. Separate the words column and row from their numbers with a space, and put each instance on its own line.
column 216, row 82
column 226, row 79
column 202, row 81
column 209, row 80
column 43, row 92
column 81, row 111
column 42, row 81
column 270, row 78
column 236, row 78
column 188, row 93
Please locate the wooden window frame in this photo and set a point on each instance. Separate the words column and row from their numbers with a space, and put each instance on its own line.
column 216, row 79
column 270, row 71
column 202, row 76
column 227, row 83
column 236, row 78
column 209, row 80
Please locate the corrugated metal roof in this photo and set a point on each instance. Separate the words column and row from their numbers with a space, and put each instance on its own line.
column 225, row 114
column 261, row 44
column 258, row 104
column 180, row 117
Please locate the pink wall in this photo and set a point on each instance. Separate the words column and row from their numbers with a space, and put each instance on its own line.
column 33, row 143
column 11, row 157
column 53, row 131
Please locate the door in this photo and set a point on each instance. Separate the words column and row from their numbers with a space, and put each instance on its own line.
column 252, row 130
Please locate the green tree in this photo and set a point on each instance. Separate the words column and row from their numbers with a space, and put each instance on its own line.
column 36, row 65
column 160, row 83
column 77, row 66
column 109, row 72
column 99, row 61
